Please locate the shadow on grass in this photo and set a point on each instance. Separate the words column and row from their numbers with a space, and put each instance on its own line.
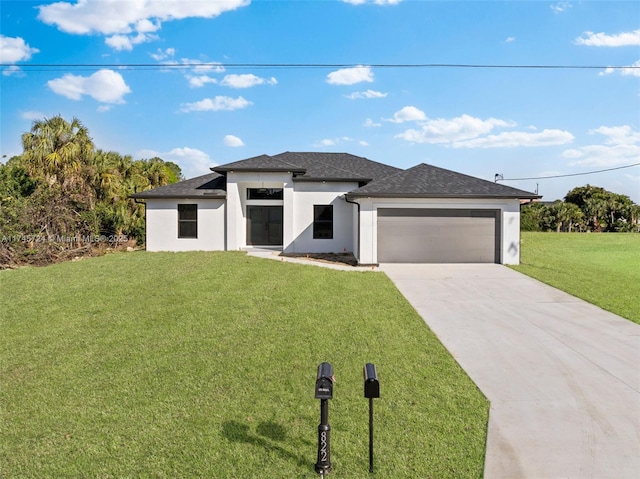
column 267, row 434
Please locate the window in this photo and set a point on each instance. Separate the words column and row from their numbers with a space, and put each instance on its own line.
column 264, row 193
column 322, row 221
column 187, row 221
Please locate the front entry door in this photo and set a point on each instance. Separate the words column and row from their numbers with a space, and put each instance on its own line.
column 264, row 225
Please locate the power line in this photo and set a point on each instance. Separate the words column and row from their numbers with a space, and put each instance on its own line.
column 162, row 66
column 500, row 178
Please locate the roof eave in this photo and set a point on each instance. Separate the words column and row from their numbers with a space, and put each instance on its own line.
column 426, row 195
column 175, row 196
column 257, row 170
column 331, row 179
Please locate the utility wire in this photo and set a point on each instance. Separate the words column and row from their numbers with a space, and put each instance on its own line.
column 563, row 176
column 162, row 66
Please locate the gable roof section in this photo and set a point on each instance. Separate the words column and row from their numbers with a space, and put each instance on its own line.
column 314, row 166
column 260, row 163
column 212, row 185
column 427, row 181
column 337, row 167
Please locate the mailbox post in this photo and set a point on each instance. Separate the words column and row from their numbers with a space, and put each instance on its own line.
column 324, row 392
column 371, row 391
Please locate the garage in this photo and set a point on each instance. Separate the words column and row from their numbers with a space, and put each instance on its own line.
column 417, row 235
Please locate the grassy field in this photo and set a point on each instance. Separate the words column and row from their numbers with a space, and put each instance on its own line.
column 203, row 365
column 602, row 268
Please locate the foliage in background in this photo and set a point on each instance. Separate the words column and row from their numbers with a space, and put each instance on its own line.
column 62, row 198
column 208, row 370
column 602, row 269
column 585, row 208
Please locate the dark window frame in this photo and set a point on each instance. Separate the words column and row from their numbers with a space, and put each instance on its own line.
column 322, row 221
column 268, row 194
column 185, row 223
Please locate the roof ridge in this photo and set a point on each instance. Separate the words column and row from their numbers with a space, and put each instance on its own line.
column 356, row 175
column 287, row 162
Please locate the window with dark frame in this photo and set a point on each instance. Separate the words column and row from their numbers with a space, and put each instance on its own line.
column 187, row 221
column 322, row 221
column 264, row 193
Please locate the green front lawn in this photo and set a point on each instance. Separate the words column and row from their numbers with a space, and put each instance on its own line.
column 203, row 365
column 602, row 268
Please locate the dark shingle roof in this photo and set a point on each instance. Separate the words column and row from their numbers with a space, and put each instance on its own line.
column 212, row 185
column 314, row 166
column 383, row 181
column 426, row 181
column 337, row 166
column 260, row 163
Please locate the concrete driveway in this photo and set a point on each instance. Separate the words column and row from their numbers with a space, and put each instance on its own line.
column 562, row 375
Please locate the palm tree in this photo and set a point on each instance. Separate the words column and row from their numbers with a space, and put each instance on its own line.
column 567, row 215
column 56, row 150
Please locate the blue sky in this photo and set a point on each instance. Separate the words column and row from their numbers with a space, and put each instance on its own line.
column 189, row 104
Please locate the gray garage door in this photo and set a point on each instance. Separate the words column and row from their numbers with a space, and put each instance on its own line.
column 410, row 235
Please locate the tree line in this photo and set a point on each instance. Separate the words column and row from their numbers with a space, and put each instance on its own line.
column 585, row 208
column 63, row 198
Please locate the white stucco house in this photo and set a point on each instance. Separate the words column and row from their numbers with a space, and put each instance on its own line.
column 337, row 202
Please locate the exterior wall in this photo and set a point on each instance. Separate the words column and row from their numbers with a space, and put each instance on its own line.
column 305, row 196
column 237, row 185
column 162, row 225
column 298, row 201
column 509, row 231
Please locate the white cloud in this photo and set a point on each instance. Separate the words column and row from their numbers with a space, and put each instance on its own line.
column 219, row 103
column 603, row 155
column 15, row 49
column 510, row 39
column 12, row 70
column 195, row 71
column 513, row 139
column 369, row 123
column 192, row 162
column 366, row 94
column 407, row 113
column 233, row 141
column 604, row 40
column 634, row 70
column 124, row 42
column 333, row 141
column 246, row 81
column 618, row 135
column 350, row 76
column 363, row 143
column 560, row 7
column 442, row 130
column 200, row 80
column 621, row 146
column 134, row 21
column 32, row 115
column 197, row 66
column 161, row 55
column 106, row 86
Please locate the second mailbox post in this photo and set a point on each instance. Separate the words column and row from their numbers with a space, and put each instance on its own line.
column 371, row 391
column 324, row 392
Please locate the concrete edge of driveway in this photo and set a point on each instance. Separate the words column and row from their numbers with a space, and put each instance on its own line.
column 562, row 375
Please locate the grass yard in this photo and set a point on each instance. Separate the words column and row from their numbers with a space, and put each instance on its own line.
column 169, row 365
column 602, row 268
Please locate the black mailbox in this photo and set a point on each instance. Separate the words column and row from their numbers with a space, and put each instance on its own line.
column 371, row 384
column 324, row 381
